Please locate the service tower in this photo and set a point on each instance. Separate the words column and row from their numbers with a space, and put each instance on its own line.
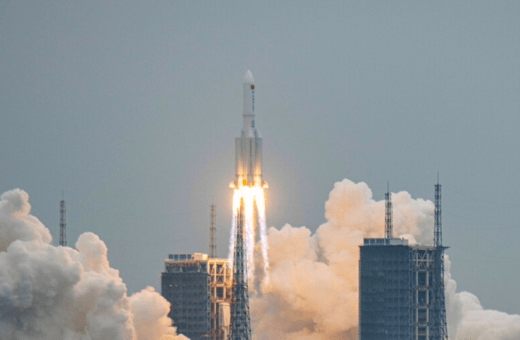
column 240, row 320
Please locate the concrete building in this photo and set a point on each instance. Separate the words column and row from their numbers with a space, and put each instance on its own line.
column 385, row 290
column 199, row 289
column 398, row 298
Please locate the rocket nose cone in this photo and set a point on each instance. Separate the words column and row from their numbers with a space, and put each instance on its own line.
column 248, row 78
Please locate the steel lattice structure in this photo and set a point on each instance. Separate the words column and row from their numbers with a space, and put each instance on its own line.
column 213, row 233
column 440, row 331
column 388, row 216
column 63, row 224
column 240, row 320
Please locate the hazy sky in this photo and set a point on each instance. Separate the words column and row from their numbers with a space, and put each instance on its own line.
column 132, row 109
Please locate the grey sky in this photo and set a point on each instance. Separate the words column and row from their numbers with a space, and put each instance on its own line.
column 132, row 109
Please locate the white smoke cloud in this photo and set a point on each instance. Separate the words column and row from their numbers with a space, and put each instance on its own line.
column 49, row 292
column 17, row 224
column 313, row 288
column 467, row 319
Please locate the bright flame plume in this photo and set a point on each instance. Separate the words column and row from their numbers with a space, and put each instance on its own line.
column 253, row 197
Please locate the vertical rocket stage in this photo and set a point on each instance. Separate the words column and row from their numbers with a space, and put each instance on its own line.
column 248, row 147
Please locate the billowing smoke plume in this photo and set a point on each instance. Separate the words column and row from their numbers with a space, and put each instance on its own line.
column 313, row 288
column 468, row 320
column 49, row 292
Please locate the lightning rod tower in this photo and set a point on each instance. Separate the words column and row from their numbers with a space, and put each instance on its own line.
column 437, row 237
column 63, row 223
column 213, row 232
column 388, row 214
column 240, row 320
column 441, row 329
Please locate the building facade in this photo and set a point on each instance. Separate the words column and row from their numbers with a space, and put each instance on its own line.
column 199, row 290
column 385, row 290
column 397, row 294
column 220, row 297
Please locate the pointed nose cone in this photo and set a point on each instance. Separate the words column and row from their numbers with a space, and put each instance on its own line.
column 248, row 78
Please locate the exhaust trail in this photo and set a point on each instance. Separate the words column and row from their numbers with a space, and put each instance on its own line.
column 260, row 203
column 253, row 197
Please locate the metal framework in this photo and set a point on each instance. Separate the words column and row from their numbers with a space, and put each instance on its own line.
column 388, row 215
column 240, row 319
column 440, row 331
column 220, row 295
column 437, row 237
column 199, row 290
column 424, row 322
column 63, row 224
column 213, row 233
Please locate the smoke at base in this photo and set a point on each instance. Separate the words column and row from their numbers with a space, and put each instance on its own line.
column 49, row 292
column 312, row 293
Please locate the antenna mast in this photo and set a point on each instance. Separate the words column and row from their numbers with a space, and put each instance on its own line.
column 437, row 238
column 213, row 232
column 388, row 214
column 63, row 224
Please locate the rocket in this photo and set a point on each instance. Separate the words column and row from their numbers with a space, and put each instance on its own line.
column 248, row 147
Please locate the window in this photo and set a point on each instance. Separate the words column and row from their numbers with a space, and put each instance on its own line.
column 422, row 316
column 421, row 297
column 421, row 279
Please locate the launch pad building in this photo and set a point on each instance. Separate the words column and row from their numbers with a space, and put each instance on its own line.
column 199, row 290
column 401, row 287
column 397, row 291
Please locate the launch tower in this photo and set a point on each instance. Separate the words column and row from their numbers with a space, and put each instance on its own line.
column 240, row 321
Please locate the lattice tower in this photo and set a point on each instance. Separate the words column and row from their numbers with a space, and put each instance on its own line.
column 437, row 237
column 388, row 215
column 240, row 320
column 63, row 224
column 440, row 331
column 213, row 232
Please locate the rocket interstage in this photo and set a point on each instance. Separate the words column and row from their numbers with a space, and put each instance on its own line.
column 249, row 184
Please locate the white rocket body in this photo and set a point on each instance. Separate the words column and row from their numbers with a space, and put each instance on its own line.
column 248, row 147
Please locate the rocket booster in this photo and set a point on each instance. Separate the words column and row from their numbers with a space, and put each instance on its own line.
column 248, row 147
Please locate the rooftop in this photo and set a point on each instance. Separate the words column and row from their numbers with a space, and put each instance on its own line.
column 187, row 257
column 385, row 242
